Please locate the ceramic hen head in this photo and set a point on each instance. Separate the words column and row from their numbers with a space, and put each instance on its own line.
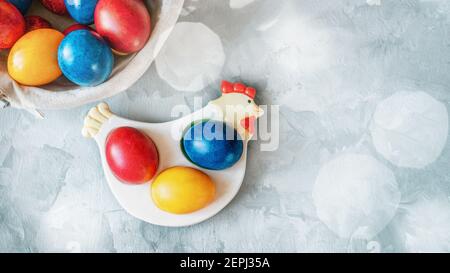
column 238, row 108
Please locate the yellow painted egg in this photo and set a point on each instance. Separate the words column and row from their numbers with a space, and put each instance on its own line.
column 182, row 190
column 33, row 60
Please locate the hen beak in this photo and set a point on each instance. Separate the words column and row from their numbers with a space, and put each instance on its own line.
column 259, row 111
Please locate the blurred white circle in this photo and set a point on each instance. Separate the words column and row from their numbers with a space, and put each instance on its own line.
column 355, row 196
column 426, row 224
column 410, row 129
column 192, row 57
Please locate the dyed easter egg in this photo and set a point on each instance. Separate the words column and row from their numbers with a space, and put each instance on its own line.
column 85, row 58
column 34, row 22
column 55, row 6
column 33, row 60
column 21, row 5
column 212, row 145
column 12, row 25
column 131, row 155
column 182, row 190
column 81, row 11
column 76, row 27
column 125, row 24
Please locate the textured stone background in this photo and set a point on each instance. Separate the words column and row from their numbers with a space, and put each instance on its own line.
column 363, row 88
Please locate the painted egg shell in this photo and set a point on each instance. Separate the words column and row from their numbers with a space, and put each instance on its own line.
column 182, row 190
column 81, row 11
column 85, row 58
column 212, row 145
column 33, row 60
column 76, row 27
column 12, row 25
column 131, row 155
column 34, row 22
column 21, row 5
column 55, row 6
column 125, row 24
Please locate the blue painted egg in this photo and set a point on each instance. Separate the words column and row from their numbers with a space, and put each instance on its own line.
column 81, row 11
column 21, row 5
column 212, row 145
column 85, row 58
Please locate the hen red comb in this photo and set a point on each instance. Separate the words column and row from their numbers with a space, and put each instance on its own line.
column 228, row 87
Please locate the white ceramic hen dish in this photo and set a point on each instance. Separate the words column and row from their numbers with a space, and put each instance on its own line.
column 62, row 94
column 136, row 199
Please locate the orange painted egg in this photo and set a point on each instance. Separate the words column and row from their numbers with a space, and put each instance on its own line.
column 33, row 60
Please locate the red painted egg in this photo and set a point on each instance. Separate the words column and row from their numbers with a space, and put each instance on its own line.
column 12, row 24
column 131, row 155
column 125, row 24
column 34, row 22
column 55, row 6
column 76, row 27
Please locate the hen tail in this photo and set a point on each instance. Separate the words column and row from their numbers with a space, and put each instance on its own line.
column 95, row 119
